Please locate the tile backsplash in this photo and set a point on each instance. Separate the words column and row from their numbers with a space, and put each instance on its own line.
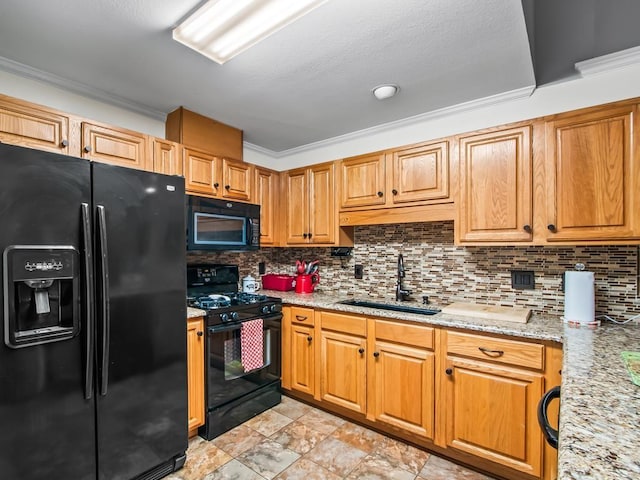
column 444, row 272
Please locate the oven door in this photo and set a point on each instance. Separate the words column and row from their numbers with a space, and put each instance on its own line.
column 226, row 377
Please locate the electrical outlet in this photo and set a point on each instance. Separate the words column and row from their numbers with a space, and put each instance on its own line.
column 358, row 271
column 262, row 268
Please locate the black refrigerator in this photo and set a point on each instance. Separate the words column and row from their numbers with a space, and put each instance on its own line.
column 93, row 375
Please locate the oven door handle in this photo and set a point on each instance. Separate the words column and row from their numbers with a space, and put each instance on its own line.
column 225, row 327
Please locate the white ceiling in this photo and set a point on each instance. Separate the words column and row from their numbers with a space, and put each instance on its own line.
column 309, row 82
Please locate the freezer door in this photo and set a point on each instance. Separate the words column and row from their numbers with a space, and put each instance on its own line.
column 46, row 403
column 141, row 320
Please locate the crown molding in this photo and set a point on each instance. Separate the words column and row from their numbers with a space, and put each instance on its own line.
column 72, row 86
column 604, row 63
column 516, row 94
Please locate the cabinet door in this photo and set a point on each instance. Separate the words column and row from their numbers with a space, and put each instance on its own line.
column 236, row 179
column 21, row 124
column 322, row 206
column 266, row 195
column 343, row 379
column 297, row 212
column 195, row 372
column 302, row 359
column 362, row 181
column 421, row 173
column 496, row 186
column 404, row 387
column 200, row 172
column 115, row 146
column 167, row 157
column 491, row 413
column 593, row 177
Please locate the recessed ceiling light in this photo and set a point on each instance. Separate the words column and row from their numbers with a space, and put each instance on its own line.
column 221, row 29
column 385, row 91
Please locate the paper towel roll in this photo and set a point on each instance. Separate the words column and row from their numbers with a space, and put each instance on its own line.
column 579, row 297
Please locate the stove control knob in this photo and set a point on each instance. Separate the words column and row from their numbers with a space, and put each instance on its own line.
column 275, row 308
column 264, row 309
column 234, row 315
column 224, row 317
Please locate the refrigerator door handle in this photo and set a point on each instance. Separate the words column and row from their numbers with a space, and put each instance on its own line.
column 88, row 285
column 104, row 299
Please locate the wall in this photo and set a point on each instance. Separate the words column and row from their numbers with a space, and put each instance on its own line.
column 446, row 273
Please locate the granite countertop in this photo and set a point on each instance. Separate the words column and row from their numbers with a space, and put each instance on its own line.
column 195, row 312
column 600, row 406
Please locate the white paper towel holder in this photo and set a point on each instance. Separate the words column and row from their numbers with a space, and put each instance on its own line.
column 579, row 296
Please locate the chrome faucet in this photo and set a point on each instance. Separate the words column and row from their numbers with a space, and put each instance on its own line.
column 401, row 293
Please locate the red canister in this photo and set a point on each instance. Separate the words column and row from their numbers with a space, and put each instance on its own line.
column 305, row 283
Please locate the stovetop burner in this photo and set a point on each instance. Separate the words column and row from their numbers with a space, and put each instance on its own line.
column 214, row 301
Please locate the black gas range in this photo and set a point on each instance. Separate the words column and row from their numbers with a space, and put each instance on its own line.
column 236, row 392
column 214, row 288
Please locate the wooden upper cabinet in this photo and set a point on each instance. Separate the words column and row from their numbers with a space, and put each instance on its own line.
column 201, row 172
column 311, row 206
column 115, row 146
column 363, row 181
column 237, row 180
column 28, row 126
column 204, row 133
column 593, row 177
column 266, row 192
column 420, row 173
column 495, row 180
column 167, row 157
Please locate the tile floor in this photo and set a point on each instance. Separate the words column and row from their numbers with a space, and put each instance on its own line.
column 294, row 441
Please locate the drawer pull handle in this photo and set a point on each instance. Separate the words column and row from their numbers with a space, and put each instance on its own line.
column 491, row 353
column 301, row 318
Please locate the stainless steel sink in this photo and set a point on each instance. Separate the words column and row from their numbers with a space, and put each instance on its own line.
column 391, row 306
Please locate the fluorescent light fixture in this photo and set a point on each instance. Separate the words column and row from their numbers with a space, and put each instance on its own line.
column 221, row 29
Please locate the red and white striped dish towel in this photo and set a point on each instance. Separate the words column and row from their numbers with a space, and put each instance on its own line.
column 252, row 344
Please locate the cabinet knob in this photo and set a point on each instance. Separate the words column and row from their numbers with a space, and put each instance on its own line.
column 200, row 333
column 216, row 185
column 394, row 191
column 361, row 351
column 551, row 227
column 304, row 235
column 527, row 228
column 227, row 187
column 309, row 338
column 449, row 371
column 309, row 235
column 376, row 354
column 64, row 143
column 87, row 148
column 380, row 194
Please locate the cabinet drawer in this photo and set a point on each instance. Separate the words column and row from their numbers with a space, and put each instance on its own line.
column 491, row 349
column 414, row 335
column 302, row 315
column 344, row 323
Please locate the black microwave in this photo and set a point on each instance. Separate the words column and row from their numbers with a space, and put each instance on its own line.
column 214, row 224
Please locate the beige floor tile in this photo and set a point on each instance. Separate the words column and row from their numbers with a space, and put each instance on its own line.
column 234, row 470
column 202, row 458
column 298, row 437
column 374, row 467
column 438, row 468
column 268, row 458
column 305, row 469
column 268, row 423
column 292, row 408
column 322, row 422
column 401, row 455
column 336, row 456
column 236, row 441
column 357, row 436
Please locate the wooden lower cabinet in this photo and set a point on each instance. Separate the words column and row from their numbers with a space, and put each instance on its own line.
column 404, row 392
column 343, row 361
column 195, row 373
column 471, row 396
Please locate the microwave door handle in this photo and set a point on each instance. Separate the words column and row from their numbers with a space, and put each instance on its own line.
column 104, row 299
column 88, row 284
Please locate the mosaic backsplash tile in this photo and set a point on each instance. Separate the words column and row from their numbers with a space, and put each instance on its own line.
column 436, row 268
